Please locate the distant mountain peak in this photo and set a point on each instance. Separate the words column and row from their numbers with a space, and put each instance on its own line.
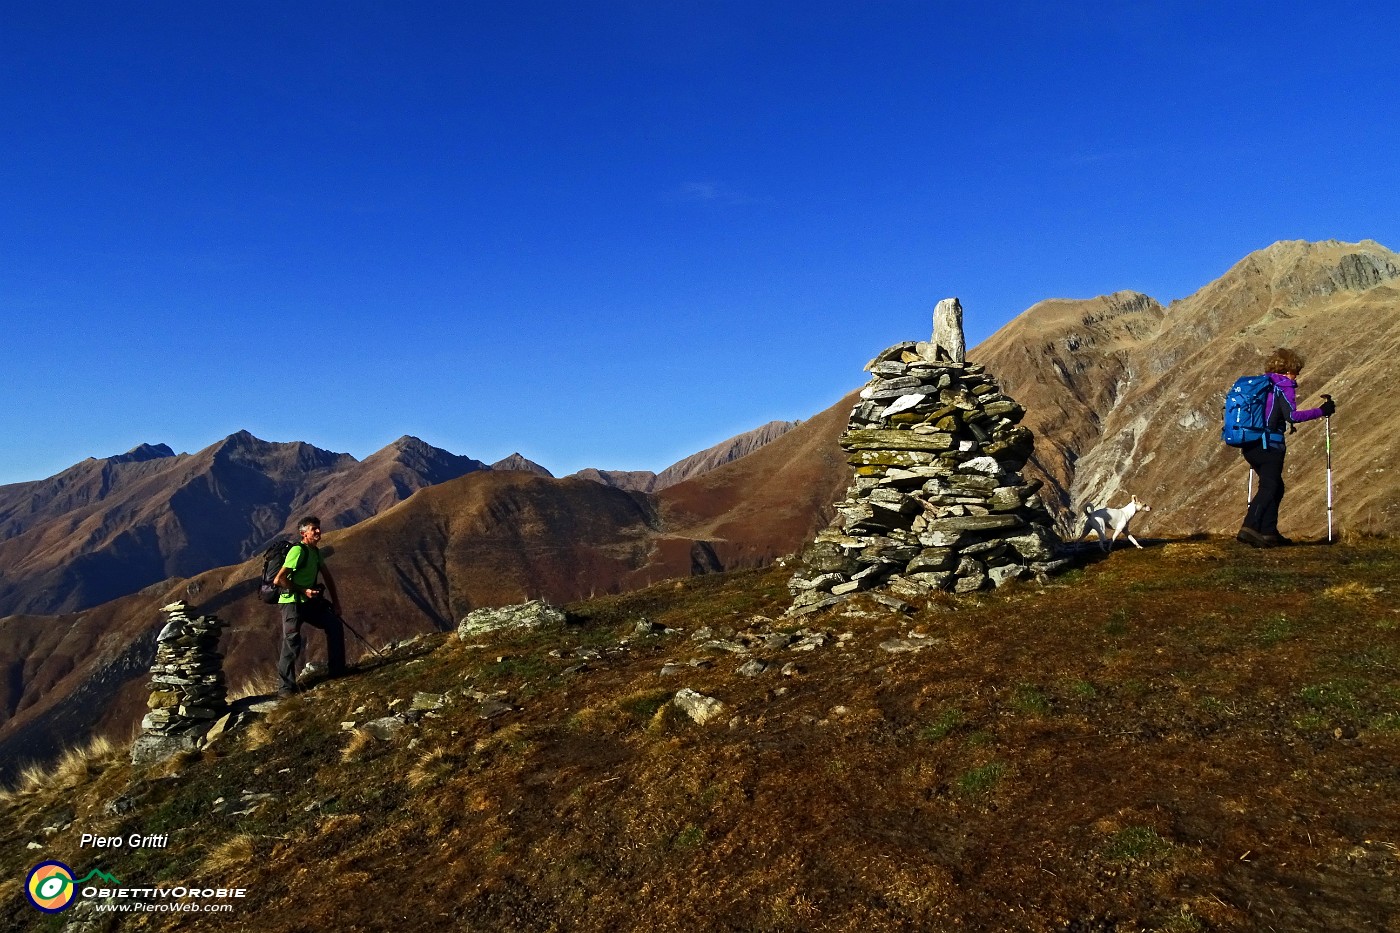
column 518, row 462
column 722, row 453
column 241, row 439
column 1292, row 272
column 636, row 480
column 143, row 452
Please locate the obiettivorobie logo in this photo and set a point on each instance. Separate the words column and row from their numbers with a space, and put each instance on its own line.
column 52, row 888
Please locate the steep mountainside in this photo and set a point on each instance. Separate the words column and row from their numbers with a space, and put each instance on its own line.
column 708, row 459
column 1067, row 362
column 383, row 479
column 1127, row 396
column 104, row 528
column 722, row 453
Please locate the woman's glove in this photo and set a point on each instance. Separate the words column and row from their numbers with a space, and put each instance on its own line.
column 1329, row 407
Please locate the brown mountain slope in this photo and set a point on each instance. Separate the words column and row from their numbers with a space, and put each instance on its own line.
column 383, row 479
column 487, row 538
column 768, row 503
column 710, row 458
column 1066, row 362
column 1338, row 304
column 724, row 452
column 104, row 528
column 634, row 480
column 1125, row 407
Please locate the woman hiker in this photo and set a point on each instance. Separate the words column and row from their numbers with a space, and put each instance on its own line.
column 1260, row 528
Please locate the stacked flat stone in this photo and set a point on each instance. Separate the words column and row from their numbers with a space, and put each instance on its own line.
column 938, row 501
column 188, row 692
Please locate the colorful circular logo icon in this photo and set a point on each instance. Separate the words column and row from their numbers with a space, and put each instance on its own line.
column 50, row 887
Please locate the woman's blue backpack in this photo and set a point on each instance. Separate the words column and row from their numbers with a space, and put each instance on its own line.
column 1245, row 412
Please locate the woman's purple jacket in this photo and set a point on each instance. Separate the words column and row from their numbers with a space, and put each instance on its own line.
column 1290, row 394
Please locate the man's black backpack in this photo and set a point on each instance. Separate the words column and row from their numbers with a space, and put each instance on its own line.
column 273, row 558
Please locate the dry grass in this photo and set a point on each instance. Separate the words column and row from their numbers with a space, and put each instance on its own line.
column 1194, row 550
column 509, row 739
column 177, row 763
column 1353, row 592
column 362, row 745
column 432, row 768
column 259, row 685
column 229, row 855
column 347, row 824
column 258, row 735
column 76, row 767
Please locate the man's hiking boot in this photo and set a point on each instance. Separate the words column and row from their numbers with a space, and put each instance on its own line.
column 284, row 692
column 1280, row 540
column 1255, row 539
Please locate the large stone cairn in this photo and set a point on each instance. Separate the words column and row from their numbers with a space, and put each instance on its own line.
column 188, row 692
column 938, row 501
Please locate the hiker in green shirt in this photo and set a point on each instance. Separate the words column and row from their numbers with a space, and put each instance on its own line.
column 304, row 603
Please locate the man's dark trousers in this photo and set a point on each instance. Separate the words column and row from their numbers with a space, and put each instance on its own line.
column 316, row 613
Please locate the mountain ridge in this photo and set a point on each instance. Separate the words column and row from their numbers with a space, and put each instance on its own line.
column 1122, row 393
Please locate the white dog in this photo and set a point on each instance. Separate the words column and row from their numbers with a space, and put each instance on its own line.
column 1101, row 520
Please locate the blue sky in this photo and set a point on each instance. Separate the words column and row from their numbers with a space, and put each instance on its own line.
column 611, row 233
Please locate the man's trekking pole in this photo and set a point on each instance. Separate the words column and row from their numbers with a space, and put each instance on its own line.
column 1249, row 487
column 361, row 638
column 1327, row 442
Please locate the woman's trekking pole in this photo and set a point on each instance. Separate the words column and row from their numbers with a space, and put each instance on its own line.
column 1327, row 442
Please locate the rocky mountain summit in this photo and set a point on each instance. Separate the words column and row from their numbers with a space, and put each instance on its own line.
column 518, row 462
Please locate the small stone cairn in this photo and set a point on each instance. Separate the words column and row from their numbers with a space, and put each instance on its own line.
column 188, row 693
column 938, row 501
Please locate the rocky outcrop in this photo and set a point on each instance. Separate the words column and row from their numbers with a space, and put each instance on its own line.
column 534, row 614
column 188, row 692
column 938, row 501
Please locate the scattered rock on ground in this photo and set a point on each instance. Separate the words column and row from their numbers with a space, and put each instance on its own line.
column 697, row 706
column 534, row 614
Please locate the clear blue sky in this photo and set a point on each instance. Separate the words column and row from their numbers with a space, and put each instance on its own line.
column 609, row 233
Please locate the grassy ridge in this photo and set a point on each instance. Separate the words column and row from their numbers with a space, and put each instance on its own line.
column 1193, row 737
